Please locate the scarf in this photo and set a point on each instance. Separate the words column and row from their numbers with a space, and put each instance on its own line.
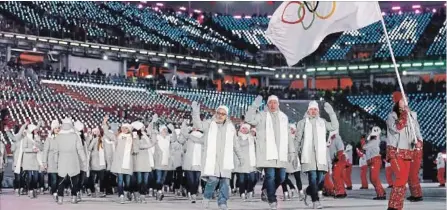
column 110, row 142
column 102, row 158
column 251, row 147
column 164, row 144
column 211, row 153
column 320, row 144
column 19, row 159
column 127, row 138
column 150, row 152
column 271, row 147
column 197, row 150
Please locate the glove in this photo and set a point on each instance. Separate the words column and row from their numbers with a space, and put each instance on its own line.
column 171, row 127
column 328, row 108
column 154, row 118
column 258, row 101
column 195, row 107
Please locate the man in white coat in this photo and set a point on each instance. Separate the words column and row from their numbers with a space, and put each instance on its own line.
column 69, row 153
column 220, row 145
column 311, row 137
column 274, row 147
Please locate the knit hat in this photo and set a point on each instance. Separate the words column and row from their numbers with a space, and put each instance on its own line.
column 55, row 124
column 273, row 97
column 31, row 128
column 224, row 108
column 127, row 125
column 137, row 125
column 313, row 104
column 397, row 96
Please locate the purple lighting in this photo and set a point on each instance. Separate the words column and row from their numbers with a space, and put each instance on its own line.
column 395, row 8
column 434, row 10
column 383, row 13
column 140, row 6
column 416, row 6
column 417, row 11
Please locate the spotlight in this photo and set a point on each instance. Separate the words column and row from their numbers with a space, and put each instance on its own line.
column 304, row 76
column 165, row 64
column 104, row 57
column 404, row 73
column 34, row 49
column 297, row 76
column 247, row 73
column 276, row 75
column 290, row 76
column 283, row 76
column 220, row 71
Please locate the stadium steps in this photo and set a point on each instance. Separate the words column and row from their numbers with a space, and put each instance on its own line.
column 429, row 35
column 77, row 96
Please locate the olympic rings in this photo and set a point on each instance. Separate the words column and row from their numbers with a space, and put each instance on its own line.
column 301, row 17
column 302, row 13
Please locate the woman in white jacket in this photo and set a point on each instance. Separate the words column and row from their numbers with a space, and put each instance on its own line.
column 162, row 154
column 144, row 160
column 17, row 150
column 30, row 159
column 122, row 164
column 192, row 162
column 48, row 160
column 246, row 170
column 97, row 163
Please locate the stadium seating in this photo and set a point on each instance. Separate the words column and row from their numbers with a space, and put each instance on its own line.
column 404, row 31
column 438, row 45
column 428, row 106
column 250, row 29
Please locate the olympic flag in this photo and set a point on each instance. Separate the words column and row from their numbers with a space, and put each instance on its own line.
column 297, row 28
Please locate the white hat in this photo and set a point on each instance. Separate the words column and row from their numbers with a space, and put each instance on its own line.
column 313, row 104
column 273, row 97
column 245, row 125
column 197, row 134
column 55, row 124
column 127, row 125
column 31, row 127
column 67, row 121
column 78, row 126
column 161, row 127
column 137, row 125
column 224, row 108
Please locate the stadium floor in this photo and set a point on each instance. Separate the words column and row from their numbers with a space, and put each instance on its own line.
column 434, row 199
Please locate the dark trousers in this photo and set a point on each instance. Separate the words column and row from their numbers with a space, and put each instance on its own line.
column 67, row 181
column 246, row 182
column 160, row 176
column 19, row 180
column 32, row 177
column 316, row 179
column 193, row 181
column 41, row 181
column 232, row 181
column 52, row 181
column 97, row 177
column 123, row 179
column 288, row 182
column 274, row 177
column 143, row 181
column 82, row 180
column 178, row 178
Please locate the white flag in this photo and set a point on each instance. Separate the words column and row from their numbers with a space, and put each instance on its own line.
column 297, row 28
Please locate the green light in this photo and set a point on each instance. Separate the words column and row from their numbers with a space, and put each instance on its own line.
column 406, row 65
column 331, row 68
column 417, row 64
column 310, row 69
column 384, row 66
column 439, row 63
column 353, row 67
column 363, row 67
column 374, row 66
column 321, row 69
column 342, row 68
column 428, row 64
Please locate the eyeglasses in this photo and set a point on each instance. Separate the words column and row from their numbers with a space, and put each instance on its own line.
column 221, row 113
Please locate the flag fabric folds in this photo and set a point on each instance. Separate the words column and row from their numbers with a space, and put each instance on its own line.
column 297, row 28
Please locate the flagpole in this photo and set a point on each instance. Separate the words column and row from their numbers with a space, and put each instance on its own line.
column 396, row 69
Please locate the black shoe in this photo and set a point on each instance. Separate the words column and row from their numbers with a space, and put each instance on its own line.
column 391, row 209
column 341, row 196
column 390, row 186
column 349, row 188
column 363, row 188
column 442, row 185
column 411, row 198
column 417, row 199
column 380, row 198
column 161, row 197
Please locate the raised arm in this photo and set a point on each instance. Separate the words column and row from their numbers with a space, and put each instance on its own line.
column 253, row 117
column 196, row 121
column 111, row 136
column 333, row 124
